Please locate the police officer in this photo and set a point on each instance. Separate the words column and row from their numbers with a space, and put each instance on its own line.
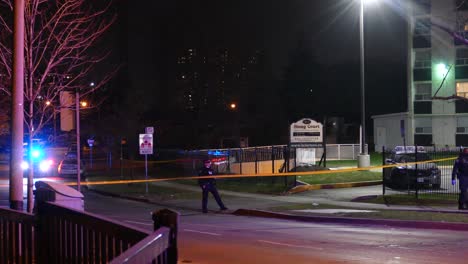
column 460, row 171
column 209, row 185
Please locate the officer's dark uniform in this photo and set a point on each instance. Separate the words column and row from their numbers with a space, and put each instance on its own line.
column 460, row 170
column 209, row 185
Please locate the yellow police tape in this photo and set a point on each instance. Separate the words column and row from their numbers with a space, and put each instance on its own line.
column 260, row 174
column 252, row 175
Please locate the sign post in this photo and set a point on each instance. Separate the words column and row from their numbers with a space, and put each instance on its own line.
column 146, row 147
column 90, row 144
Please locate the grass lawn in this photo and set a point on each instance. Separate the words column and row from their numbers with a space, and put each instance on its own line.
column 139, row 190
column 353, row 176
column 423, row 199
column 247, row 185
column 377, row 214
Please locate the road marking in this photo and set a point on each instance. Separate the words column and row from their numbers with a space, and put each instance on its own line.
column 288, row 245
column 139, row 223
column 206, row 233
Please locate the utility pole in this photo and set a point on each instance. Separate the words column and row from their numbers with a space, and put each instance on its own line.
column 78, row 147
column 16, row 158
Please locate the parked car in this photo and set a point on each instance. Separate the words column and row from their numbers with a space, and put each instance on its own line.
column 403, row 175
column 69, row 167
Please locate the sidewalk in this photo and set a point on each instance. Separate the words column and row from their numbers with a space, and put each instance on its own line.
column 250, row 204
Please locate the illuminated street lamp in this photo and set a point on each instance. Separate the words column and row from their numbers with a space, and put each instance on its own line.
column 442, row 70
column 84, row 104
column 363, row 157
column 233, row 106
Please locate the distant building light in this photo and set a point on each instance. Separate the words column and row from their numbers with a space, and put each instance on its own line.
column 92, row 84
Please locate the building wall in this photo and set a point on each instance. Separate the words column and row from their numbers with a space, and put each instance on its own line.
column 434, row 118
column 387, row 130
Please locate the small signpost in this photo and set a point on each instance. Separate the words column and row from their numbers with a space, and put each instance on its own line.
column 90, row 144
column 146, row 148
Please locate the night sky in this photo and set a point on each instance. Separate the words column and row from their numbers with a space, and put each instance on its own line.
column 148, row 36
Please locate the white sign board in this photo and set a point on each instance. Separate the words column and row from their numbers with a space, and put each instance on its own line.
column 306, row 131
column 146, row 144
column 149, row 130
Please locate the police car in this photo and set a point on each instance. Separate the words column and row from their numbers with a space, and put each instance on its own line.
column 42, row 165
column 219, row 160
column 403, row 175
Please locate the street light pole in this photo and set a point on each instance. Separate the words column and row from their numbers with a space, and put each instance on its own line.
column 78, row 147
column 363, row 157
column 16, row 172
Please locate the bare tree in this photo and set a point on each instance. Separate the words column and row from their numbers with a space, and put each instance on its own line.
column 60, row 53
column 60, row 39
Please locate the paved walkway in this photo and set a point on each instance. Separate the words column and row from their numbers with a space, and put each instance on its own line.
column 236, row 200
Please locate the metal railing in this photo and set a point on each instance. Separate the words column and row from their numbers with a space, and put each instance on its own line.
column 429, row 172
column 57, row 234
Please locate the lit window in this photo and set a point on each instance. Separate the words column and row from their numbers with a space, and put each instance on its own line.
column 462, row 89
column 423, row 91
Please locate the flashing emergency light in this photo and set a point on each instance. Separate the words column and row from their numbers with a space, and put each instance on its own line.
column 45, row 165
column 216, row 153
column 36, row 153
column 24, row 165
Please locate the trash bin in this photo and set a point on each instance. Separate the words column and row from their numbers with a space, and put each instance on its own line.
column 59, row 193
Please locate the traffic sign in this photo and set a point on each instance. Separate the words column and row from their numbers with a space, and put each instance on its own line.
column 146, row 144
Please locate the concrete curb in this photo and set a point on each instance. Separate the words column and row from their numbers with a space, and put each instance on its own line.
column 308, row 187
column 354, row 221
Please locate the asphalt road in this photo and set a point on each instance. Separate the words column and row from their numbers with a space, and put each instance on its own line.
column 224, row 238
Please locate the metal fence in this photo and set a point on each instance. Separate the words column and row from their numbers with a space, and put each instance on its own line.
column 173, row 163
column 427, row 173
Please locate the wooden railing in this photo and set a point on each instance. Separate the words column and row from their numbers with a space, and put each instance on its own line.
column 152, row 248
column 16, row 237
column 58, row 234
column 71, row 236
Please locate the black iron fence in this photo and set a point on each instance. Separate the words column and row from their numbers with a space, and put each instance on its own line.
column 173, row 163
column 420, row 172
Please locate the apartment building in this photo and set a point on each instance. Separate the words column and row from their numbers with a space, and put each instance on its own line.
column 437, row 72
